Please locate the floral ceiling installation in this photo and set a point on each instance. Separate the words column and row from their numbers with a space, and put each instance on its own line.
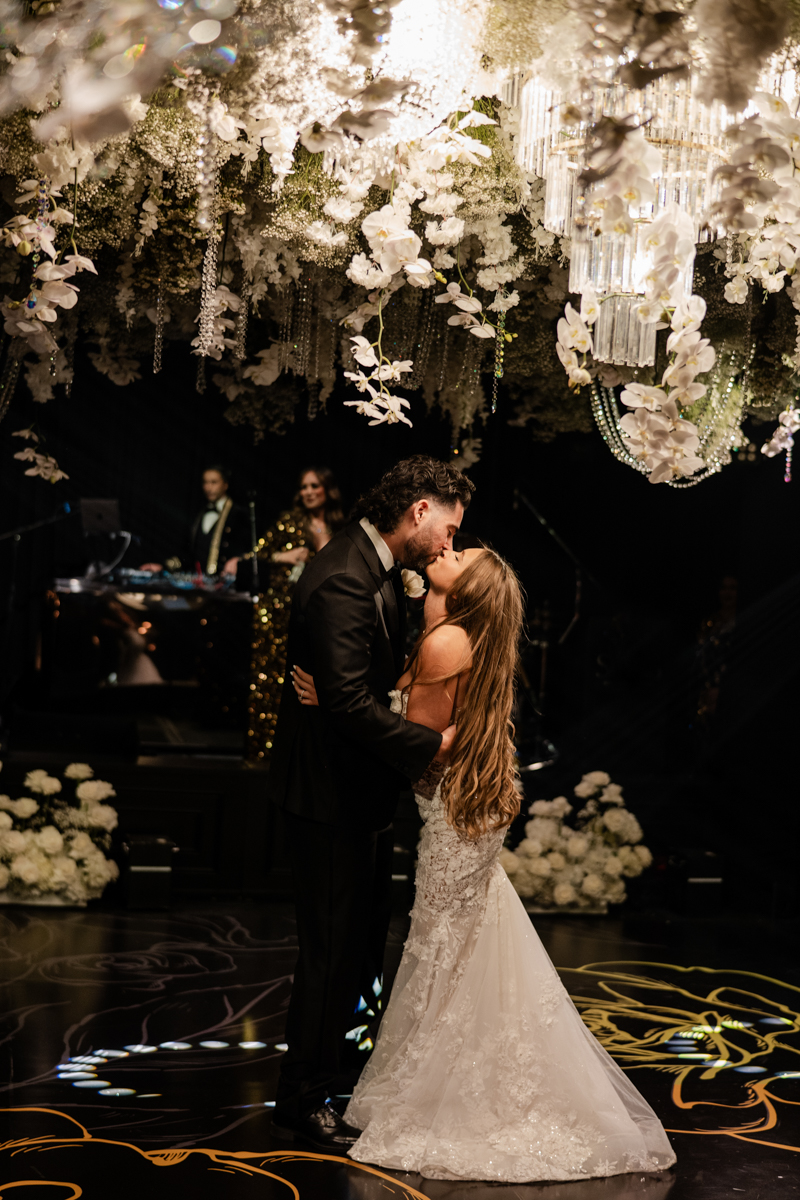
column 402, row 196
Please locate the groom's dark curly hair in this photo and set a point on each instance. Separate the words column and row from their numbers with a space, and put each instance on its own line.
column 417, row 478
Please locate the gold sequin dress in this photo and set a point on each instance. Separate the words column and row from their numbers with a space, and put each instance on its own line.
column 270, row 631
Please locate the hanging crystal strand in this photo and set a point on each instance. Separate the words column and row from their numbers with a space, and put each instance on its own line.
column 206, row 155
column 208, row 290
column 286, row 326
column 198, row 102
column 421, row 348
column 467, row 360
column 787, row 472
column 404, row 324
column 302, row 333
column 331, row 346
column 10, row 374
column 69, row 351
column 313, row 378
column 200, row 385
column 240, row 349
column 158, row 341
column 444, row 352
column 317, row 332
column 499, row 351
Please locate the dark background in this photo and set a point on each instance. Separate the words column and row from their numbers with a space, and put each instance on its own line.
column 621, row 691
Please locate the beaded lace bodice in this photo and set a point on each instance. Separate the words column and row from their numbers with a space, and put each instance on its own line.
column 483, row 1068
column 452, row 873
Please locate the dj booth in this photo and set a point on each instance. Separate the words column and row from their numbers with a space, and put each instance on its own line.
column 136, row 630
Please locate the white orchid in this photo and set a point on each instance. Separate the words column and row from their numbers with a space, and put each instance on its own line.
column 394, row 370
column 590, row 308
column 380, row 225
column 578, row 377
column 675, row 466
column 46, row 467
column 365, row 408
column 695, row 354
column 267, row 370
column 363, row 352
column 399, row 250
column 465, row 319
column 569, row 359
column 451, row 293
column 640, row 395
column 468, row 304
column 650, row 312
column 686, row 393
column 783, row 437
column 362, row 382
column 393, row 406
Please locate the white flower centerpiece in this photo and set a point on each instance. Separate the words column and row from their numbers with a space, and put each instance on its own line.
column 581, row 868
column 53, row 848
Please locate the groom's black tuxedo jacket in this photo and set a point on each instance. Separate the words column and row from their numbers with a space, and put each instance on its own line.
column 349, row 758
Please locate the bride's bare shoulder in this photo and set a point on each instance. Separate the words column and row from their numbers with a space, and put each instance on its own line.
column 445, row 651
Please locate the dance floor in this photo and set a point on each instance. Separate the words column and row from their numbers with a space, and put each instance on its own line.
column 140, row 1054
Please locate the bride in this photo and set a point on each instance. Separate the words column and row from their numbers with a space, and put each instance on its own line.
column 483, row 1068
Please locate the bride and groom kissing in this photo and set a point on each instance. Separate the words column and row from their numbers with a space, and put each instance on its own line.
column 482, row 1066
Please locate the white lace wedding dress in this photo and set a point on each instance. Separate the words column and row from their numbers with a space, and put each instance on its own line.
column 483, row 1068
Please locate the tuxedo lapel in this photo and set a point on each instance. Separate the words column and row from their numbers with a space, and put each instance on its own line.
column 394, row 613
column 390, row 604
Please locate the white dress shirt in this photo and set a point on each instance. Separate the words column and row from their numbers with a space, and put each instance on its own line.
column 384, row 553
column 210, row 517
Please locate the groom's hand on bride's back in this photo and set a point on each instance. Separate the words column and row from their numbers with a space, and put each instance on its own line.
column 448, row 737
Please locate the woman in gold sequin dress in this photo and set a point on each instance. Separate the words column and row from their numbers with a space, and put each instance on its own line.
column 287, row 546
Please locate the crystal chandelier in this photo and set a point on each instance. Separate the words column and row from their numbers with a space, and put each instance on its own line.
column 438, row 47
column 686, row 143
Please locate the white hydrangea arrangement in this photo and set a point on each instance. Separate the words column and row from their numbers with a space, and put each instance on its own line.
column 52, row 848
column 560, row 866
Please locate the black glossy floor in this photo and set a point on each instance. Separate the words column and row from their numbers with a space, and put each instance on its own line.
column 704, row 1013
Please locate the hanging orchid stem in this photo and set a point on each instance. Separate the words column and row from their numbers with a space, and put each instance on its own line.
column 470, row 292
column 382, row 389
column 74, row 214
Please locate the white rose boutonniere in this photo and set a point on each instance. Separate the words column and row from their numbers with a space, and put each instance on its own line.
column 413, row 584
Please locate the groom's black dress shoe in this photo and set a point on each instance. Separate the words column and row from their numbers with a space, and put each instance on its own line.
column 323, row 1129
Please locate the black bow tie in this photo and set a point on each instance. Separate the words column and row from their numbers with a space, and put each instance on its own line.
column 211, row 507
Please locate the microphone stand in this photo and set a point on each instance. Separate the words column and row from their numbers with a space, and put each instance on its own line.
column 15, row 536
column 545, row 752
column 17, row 533
column 580, row 570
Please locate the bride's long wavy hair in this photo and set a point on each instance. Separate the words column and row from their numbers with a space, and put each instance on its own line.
column 481, row 790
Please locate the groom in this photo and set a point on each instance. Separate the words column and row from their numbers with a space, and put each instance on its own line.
column 337, row 770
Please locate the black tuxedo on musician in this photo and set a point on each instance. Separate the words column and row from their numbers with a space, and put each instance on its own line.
column 336, row 772
column 234, row 542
